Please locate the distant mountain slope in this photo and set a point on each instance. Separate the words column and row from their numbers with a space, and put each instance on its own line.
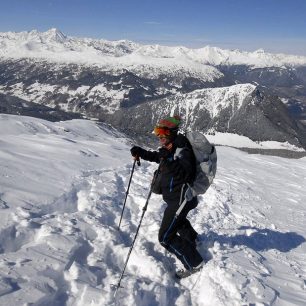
column 238, row 109
column 16, row 106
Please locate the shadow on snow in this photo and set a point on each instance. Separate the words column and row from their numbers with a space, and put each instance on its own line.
column 261, row 239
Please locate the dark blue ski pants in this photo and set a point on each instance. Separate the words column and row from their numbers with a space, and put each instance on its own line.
column 177, row 235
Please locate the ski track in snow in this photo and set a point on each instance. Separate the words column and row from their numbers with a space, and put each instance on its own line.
column 70, row 252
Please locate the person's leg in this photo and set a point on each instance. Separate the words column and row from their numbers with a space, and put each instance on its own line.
column 186, row 231
column 168, row 237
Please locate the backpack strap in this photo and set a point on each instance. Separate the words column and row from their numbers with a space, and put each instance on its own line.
column 180, row 208
column 182, row 204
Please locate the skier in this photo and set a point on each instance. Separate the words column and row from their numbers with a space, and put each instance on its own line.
column 177, row 169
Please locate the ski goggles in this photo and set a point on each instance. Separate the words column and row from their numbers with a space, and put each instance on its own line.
column 161, row 132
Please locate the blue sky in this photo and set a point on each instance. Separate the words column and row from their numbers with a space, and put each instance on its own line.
column 274, row 25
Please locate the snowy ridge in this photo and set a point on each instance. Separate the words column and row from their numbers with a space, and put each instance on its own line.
column 213, row 100
column 56, row 46
column 38, row 92
column 62, row 186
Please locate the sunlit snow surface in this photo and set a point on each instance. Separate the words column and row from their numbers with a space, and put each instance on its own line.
column 61, row 191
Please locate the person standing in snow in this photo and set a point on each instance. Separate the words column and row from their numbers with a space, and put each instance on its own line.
column 177, row 170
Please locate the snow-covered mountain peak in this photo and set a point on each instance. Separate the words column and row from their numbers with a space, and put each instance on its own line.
column 51, row 35
column 54, row 35
column 56, row 46
column 259, row 51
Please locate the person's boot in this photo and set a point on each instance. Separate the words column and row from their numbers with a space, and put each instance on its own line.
column 185, row 273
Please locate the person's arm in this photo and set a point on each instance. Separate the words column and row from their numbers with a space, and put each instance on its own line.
column 151, row 156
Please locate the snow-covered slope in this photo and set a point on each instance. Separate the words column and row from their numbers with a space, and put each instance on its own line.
column 62, row 187
column 212, row 100
column 56, row 46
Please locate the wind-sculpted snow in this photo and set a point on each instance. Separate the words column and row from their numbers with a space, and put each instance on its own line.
column 62, row 188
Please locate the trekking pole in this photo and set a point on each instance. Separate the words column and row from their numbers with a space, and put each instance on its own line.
column 127, row 191
column 131, row 248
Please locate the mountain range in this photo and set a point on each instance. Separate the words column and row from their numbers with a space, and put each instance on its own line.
column 129, row 85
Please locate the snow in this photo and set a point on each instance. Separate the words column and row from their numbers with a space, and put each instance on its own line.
column 213, row 100
column 39, row 93
column 144, row 60
column 239, row 141
column 112, row 56
column 62, row 187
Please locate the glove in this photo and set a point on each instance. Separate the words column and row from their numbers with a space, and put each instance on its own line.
column 163, row 153
column 136, row 151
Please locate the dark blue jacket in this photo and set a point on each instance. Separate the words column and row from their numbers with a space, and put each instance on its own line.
column 177, row 170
